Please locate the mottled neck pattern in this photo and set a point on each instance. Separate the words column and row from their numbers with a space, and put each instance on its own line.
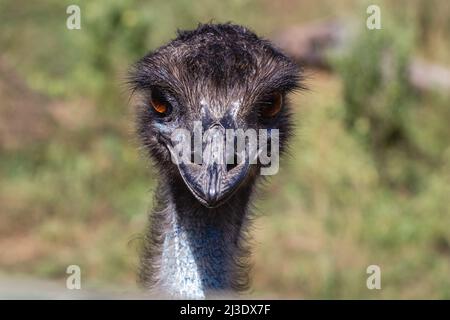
column 200, row 251
column 195, row 258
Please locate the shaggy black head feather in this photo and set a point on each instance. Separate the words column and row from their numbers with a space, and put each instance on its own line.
column 219, row 64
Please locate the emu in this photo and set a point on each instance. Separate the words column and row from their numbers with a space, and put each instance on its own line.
column 224, row 77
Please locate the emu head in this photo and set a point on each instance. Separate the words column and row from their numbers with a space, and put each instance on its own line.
column 208, row 81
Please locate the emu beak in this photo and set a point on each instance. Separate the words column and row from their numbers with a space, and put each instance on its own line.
column 212, row 182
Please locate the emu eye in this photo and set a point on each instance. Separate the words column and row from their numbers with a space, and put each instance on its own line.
column 271, row 106
column 159, row 104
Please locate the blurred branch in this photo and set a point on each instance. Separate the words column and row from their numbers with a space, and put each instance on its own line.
column 425, row 76
column 309, row 44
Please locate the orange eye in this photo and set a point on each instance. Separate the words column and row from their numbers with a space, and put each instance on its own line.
column 159, row 103
column 272, row 106
column 159, row 106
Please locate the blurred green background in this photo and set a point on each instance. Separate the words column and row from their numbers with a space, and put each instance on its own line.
column 367, row 181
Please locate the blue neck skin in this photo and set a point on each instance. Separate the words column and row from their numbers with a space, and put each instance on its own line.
column 198, row 254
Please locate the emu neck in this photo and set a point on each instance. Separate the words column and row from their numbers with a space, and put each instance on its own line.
column 201, row 249
column 196, row 256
